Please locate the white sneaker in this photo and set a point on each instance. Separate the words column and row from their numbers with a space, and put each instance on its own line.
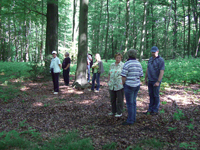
column 55, row 93
column 111, row 114
column 118, row 115
column 96, row 91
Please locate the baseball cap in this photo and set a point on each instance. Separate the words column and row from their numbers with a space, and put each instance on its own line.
column 154, row 49
column 54, row 52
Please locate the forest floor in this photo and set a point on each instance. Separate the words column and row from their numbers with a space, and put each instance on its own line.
column 87, row 112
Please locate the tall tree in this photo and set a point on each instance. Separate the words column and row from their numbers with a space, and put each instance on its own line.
column 127, row 24
column 143, row 30
column 80, row 78
column 106, row 53
column 175, row 29
column 188, row 29
column 52, row 27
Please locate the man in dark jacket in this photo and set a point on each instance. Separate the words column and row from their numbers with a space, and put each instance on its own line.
column 66, row 68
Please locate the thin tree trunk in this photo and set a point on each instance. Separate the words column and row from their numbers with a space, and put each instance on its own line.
column 74, row 19
column 175, row 31
column 106, row 53
column 127, row 25
column 99, row 26
column 143, row 30
column 189, row 28
column 166, row 32
column 183, row 5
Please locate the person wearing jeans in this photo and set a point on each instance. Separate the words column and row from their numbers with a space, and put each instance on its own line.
column 97, row 68
column 131, row 73
column 154, row 73
column 131, row 94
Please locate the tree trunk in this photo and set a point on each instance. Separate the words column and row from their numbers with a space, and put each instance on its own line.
column 143, row 30
column 189, row 28
column 99, row 26
column 153, row 25
column 166, row 31
column 183, row 5
column 175, row 31
column 106, row 53
column 52, row 27
column 80, row 79
column 127, row 25
column 74, row 19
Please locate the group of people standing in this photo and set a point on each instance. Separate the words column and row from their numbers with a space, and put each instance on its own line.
column 123, row 79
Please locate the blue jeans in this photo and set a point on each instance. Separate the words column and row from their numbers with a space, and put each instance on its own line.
column 88, row 67
column 96, row 76
column 131, row 94
column 154, row 97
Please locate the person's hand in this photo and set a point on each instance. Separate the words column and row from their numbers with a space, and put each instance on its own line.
column 156, row 84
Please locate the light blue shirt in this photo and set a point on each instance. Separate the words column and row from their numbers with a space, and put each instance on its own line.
column 55, row 64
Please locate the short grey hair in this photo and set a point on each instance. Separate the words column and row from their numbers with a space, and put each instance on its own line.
column 132, row 53
column 67, row 53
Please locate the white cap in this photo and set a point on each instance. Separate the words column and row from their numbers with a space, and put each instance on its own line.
column 54, row 52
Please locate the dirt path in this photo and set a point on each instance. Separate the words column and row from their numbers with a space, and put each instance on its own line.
column 87, row 112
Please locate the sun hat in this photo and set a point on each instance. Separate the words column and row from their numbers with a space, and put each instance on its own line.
column 54, row 52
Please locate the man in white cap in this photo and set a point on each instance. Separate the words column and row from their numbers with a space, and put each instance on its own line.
column 154, row 73
column 55, row 67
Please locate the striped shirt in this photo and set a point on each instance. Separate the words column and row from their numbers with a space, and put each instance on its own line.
column 132, row 70
column 154, row 67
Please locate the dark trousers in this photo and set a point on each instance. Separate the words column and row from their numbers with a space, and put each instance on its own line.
column 96, row 76
column 55, row 78
column 154, row 96
column 117, row 101
column 66, row 76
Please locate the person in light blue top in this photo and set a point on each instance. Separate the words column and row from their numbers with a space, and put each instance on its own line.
column 55, row 67
column 131, row 73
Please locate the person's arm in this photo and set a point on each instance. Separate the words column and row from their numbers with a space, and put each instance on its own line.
column 159, row 78
column 67, row 67
column 146, row 75
column 60, row 66
column 123, row 80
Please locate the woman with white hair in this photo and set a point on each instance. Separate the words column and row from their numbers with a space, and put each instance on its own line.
column 66, row 68
column 55, row 67
column 97, row 69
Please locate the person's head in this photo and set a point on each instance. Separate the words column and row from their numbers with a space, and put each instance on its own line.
column 66, row 54
column 132, row 53
column 98, row 57
column 118, row 57
column 154, row 51
column 54, row 53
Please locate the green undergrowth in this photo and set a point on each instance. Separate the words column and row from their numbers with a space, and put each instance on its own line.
column 31, row 140
column 177, row 71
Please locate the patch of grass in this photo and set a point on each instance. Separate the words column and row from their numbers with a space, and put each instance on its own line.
column 110, row 146
column 179, row 115
column 31, row 140
column 149, row 143
column 8, row 92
